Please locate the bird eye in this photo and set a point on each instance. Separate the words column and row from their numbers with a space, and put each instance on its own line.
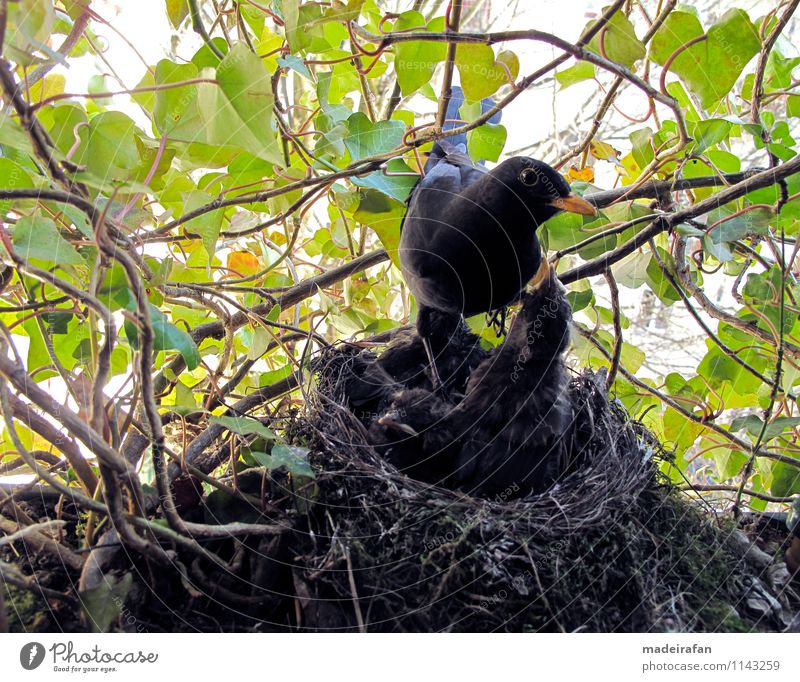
column 529, row 177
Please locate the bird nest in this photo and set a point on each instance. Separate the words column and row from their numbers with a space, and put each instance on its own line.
column 597, row 539
column 610, row 546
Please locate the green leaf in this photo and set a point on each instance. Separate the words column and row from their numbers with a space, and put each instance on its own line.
column 384, row 215
column 396, row 186
column 108, row 147
column 208, row 225
column 166, row 336
column 290, row 11
column 12, row 176
column 578, row 300
column 481, row 74
column 416, row 61
column 709, row 132
column 244, row 426
column 575, row 74
column 175, row 111
column 785, row 480
column 290, row 457
column 366, row 138
column 295, row 63
column 37, row 237
column 619, row 42
column 177, row 11
column 710, row 67
column 248, row 87
column 486, row 142
column 729, row 462
column 103, row 603
column 753, row 424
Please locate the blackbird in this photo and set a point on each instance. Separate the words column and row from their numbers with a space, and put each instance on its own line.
column 412, row 434
column 468, row 243
column 513, row 431
column 515, row 423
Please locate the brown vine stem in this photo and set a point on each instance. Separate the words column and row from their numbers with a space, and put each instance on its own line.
column 610, row 96
column 70, row 41
column 452, row 23
column 613, row 290
column 761, row 65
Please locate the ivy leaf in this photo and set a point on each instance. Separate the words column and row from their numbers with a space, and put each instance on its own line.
column 290, row 457
column 709, row 132
column 753, row 424
column 103, row 603
column 486, row 142
column 290, row 12
column 244, row 426
column 177, row 11
column 785, row 480
column 481, row 74
column 396, row 186
column 108, row 147
column 367, row 138
column 38, row 237
column 710, row 67
column 384, row 215
column 175, row 108
column 208, row 225
column 415, row 61
column 295, row 63
column 12, row 176
column 618, row 41
column 575, row 74
column 248, row 87
column 166, row 336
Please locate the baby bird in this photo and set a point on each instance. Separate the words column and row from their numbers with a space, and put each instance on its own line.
column 513, row 422
column 413, row 435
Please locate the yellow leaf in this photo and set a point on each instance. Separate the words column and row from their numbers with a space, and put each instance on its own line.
column 585, row 174
column 603, row 151
column 53, row 84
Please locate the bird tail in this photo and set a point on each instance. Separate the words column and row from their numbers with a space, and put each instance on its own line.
column 452, row 143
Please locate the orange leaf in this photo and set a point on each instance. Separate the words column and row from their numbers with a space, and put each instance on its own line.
column 585, row 174
column 243, row 263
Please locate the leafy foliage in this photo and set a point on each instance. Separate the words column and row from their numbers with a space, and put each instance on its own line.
column 285, row 146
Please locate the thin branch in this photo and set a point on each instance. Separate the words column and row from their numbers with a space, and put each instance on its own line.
column 613, row 290
column 453, row 21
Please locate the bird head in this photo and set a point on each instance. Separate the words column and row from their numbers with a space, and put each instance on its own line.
column 542, row 188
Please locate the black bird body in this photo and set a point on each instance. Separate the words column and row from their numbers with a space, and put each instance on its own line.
column 468, row 243
column 412, row 434
column 516, row 417
column 511, row 433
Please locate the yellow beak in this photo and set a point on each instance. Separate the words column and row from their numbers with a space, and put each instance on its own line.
column 574, row 204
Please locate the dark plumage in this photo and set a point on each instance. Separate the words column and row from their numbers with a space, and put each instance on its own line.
column 457, row 349
column 412, row 434
column 468, row 243
column 511, row 432
column 515, row 420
